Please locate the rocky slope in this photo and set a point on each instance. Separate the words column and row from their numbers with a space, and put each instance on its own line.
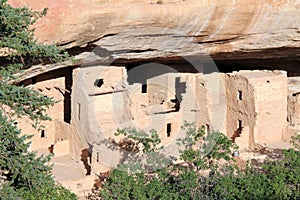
column 145, row 29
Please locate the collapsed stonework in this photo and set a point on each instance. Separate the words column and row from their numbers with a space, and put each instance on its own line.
column 250, row 107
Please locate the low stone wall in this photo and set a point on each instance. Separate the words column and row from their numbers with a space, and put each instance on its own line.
column 64, row 131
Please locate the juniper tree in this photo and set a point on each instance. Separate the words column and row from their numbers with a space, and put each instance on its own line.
column 23, row 175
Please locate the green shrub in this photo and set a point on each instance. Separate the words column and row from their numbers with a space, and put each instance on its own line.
column 278, row 179
column 23, row 175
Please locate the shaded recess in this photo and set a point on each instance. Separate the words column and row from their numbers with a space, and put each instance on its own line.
column 284, row 58
column 66, row 91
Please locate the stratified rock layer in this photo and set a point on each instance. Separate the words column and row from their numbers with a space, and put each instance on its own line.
column 143, row 29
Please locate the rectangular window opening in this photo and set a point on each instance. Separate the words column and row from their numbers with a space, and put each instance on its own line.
column 240, row 95
column 169, row 129
column 144, row 88
column 43, row 133
column 99, row 82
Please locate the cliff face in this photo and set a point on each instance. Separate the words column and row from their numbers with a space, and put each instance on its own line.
column 143, row 29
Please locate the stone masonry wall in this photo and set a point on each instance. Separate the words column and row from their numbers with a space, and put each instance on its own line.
column 52, row 88
column 256, row 100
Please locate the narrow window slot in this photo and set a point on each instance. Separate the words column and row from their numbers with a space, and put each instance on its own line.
column 98, row 156
column 169, row 129
column 240, row 95
column 78, row 111
column 43, row 133
column 240, row 124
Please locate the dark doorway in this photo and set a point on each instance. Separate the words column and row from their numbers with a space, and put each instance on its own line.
column 67, row 73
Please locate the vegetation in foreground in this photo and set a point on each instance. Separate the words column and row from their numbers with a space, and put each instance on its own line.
column 23, row 175
column 207, row 172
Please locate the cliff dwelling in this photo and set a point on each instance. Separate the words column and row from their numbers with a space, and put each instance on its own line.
column 229, row 67
column 252, row 106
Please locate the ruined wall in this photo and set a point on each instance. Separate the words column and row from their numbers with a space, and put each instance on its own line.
column 203, row 101
column 293, row 116
column 248, row 106
column 163, row 107
column 137, row 105
column 256, row 100
column 103, row 101
column 65, row 133
column 216, row 98
column 294, row 101
column 80, row 186
column 98, row 107
column 53, row 86
column 294, row 109
column 240, row 107
column 98, row 100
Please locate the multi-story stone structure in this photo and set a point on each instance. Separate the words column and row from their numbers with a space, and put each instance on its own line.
column 256, row 106
column 250, row 107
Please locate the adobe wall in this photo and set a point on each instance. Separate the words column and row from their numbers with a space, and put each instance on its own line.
column 271, row 107
column 64, row 132
column 162, row 104
column 52, row 88
column 94, row 105
column 256, row 100
column 240, row 107
column 203, row 100
column 293, row 116
column 249, row 106
column 213, row 101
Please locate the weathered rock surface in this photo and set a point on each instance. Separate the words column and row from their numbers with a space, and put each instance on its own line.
column 143, row 29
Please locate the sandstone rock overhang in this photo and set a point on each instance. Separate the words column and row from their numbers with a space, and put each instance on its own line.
column 143, row 29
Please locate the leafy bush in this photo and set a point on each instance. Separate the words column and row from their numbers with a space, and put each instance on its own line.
column 171, row 181
column 278, row 179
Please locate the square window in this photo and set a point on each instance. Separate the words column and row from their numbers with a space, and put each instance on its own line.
column 99, row 82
